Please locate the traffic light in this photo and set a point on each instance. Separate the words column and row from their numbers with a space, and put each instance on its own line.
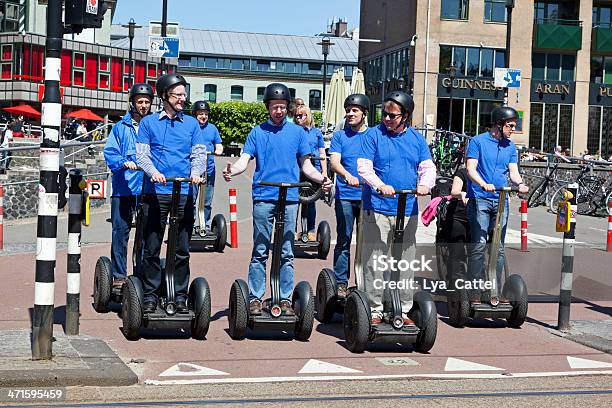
column 82, row 14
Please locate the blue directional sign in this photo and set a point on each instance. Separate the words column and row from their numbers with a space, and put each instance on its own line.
column 507, row 78
column 167, row 47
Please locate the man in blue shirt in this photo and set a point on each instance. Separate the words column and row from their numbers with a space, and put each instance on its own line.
column 393, row 156
column 344, row 151
column 491, row 158
column 168, row 147
column 120, row 156
column 210, row 138
column 279, row 148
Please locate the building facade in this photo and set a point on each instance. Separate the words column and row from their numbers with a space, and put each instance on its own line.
column 562, row 48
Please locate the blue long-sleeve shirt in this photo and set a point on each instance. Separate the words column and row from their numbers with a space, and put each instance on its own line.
column 120, row 148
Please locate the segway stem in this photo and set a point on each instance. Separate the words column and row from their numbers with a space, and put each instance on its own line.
column 396, row 248
column 172, row 238
column 279, row 227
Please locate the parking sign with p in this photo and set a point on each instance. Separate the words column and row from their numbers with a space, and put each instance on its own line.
column 96, row 189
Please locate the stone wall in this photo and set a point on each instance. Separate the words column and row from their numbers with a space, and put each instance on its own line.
column 533, row 172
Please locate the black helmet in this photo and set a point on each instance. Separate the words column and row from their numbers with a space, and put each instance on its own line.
column 166, row 81
column 357, row 100
column 199, row 105
column 503, row 114
column 141, row 89
column 402, row 99
column 276, row 91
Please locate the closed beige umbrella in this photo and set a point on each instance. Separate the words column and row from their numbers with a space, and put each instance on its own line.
column 334, row 105
column 358, row 82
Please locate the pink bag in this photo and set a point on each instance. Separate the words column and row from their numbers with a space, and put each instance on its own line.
column 430, row 212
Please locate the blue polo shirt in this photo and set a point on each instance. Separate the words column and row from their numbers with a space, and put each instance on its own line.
column 170, row 142
column 276, row 150
column 396, row 159
column 493, row 158
column 209, row 137
column 347, row 143
column 314, row 137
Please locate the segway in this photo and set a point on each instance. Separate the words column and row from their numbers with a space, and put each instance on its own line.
column 104, row 292
column 271, row 318
column 514, row 288
column 358, row 329
column 216, row 237
column 166, row 314
column 321, row 246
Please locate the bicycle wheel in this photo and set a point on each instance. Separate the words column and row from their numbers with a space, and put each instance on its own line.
column 556, row 198
column 537, row 196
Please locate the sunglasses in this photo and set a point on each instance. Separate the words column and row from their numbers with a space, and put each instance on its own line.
column 510, row 125
column 391, row 116
column 301, row 116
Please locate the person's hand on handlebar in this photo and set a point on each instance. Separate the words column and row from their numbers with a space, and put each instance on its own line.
column 523, row 188
column 130, row 165
column 386, row 190
column 327, row 184
column 157, row 177
column 196, row 179
column 422, row 190
column 489, row 188
column 227, row 172
column 352, row 181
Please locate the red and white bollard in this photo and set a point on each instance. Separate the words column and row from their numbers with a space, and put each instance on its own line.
column 609, row 245
column 1, row 217
column 233, row 219
column 523, row 212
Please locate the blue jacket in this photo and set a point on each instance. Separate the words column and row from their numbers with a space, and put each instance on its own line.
column 120, row 148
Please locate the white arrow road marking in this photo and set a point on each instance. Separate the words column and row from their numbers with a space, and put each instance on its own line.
column 321, row 367
column 576, row 362
column 189, row 370
column 455, row 364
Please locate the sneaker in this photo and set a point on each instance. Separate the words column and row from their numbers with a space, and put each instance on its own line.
column 343, row 291
column 407, row 320
column 475, row 299
column 286, row 308
column 504, row 300
column 255, row 307
column 118, row 282
column 312, row 236
column 376, row 318
column 181, row 306
column 149, row 306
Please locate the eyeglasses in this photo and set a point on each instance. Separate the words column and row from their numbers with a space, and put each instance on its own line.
column 301, row 116
column 179, row 95
column 391, row 116
column 510, row 125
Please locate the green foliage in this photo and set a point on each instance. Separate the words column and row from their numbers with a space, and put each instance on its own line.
column 318, row 118
column 236, row 119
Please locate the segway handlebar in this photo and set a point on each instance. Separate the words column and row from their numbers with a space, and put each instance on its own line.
column 288, row 185
column 513, row 189
column 179, row 179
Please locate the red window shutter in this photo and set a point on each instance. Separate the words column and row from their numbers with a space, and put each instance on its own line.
column 139, row 74
column 7, row 52
column 38, row 57
column 117, row 75
column 25, row 69
column 66, row 73
column 91, row 71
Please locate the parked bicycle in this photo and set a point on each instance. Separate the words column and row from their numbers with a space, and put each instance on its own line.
column 447, row 151
column 593, row 194
column 541, row 192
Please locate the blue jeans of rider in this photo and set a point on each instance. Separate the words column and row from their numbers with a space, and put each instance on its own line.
column 122, row 210
column 263, row 216
column 311, row 217
column 208, row 198
column 481, row 216
column 347, row 213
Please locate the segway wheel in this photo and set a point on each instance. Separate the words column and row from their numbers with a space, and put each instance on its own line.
column 458, row 305
column 516, row 290
column 303, row 304
column 238, row 313
column 219, row 227
column 425, row 317
column 326, row 295
column 103, row 285
column 199, row 302
column 324, row 239
column 131, row 311
column 357, row 321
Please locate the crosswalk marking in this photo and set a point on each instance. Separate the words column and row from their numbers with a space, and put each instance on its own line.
column 576, row 362
column 321, row 367
column 455, row 364
column 189, row 370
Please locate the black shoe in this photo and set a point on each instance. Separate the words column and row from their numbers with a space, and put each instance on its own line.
column 286, row 308
column 255, row 307
column 150, row 306
column 181, row 306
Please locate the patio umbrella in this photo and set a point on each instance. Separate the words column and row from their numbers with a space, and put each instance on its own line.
column 334, row 105
column 25, row 110
column 358, row 82
column 85, row 114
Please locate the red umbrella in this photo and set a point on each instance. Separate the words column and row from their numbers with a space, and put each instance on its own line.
column 25, row 110
column 85, row 114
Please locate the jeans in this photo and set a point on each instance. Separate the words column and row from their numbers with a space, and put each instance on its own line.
column 122, row 210
column 481, row 217
column 156, row 209
column 311, row 217
column 264, row 213
column 347, row 212
column 208, row 198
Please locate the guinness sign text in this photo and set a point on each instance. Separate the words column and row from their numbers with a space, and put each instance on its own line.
column 464, row 83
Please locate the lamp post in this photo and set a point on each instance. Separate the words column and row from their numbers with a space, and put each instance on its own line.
column 509, row 8
column 325, row 44
column 131, row 26
column 452, row 73
column 164, row 23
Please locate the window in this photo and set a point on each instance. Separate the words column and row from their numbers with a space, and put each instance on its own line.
column 597, row 69
column 550, row 125
column 314, row 99
column 237, row 64
column 470, row 61
column 554, row 67
column 290, row 67
column 602, row 17
column 104, row 72
column 210, row 62
column 495, row 11
column 459, row 60
column 11, row 14
column 538, row 66
column 6, row 62
column 473, row 61
column 236, row 92
column 314, row 68
column 260, row 93
column 78, row 69
column 292, row 93
column 210, row 92
column 486, row 62
column 454, row 9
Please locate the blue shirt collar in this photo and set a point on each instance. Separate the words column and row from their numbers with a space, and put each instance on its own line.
column 163, row 115
column 281, row 125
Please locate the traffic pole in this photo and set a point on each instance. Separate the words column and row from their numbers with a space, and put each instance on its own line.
column 523, row 212
column 2, row 217
column 46, row 240
column 567, row 263
column 233, row 219
column 608, row 246
column 73, row 292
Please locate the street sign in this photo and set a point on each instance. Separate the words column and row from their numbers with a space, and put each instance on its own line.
column 96, row 189
column 507, row 78
column 92, row 7
column 167, row 47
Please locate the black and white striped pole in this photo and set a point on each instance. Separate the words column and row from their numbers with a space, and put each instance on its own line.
column 42, row 322
column 567, row 263
column 73, row 293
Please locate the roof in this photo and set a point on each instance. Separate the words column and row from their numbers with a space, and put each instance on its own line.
column 238, row 44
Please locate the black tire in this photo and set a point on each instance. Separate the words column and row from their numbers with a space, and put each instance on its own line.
column 356, row 321
column 520, row 303
column 238, row 313
column 458, row 305
column 324, row 239
column 326, row 295
column 103, row 285
column 219, row 227
column 131, row 311
column 428, row 329
column 555, row 199
column 537, row 196
column 199, row 302
column 138, row 249
column 303, row 304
